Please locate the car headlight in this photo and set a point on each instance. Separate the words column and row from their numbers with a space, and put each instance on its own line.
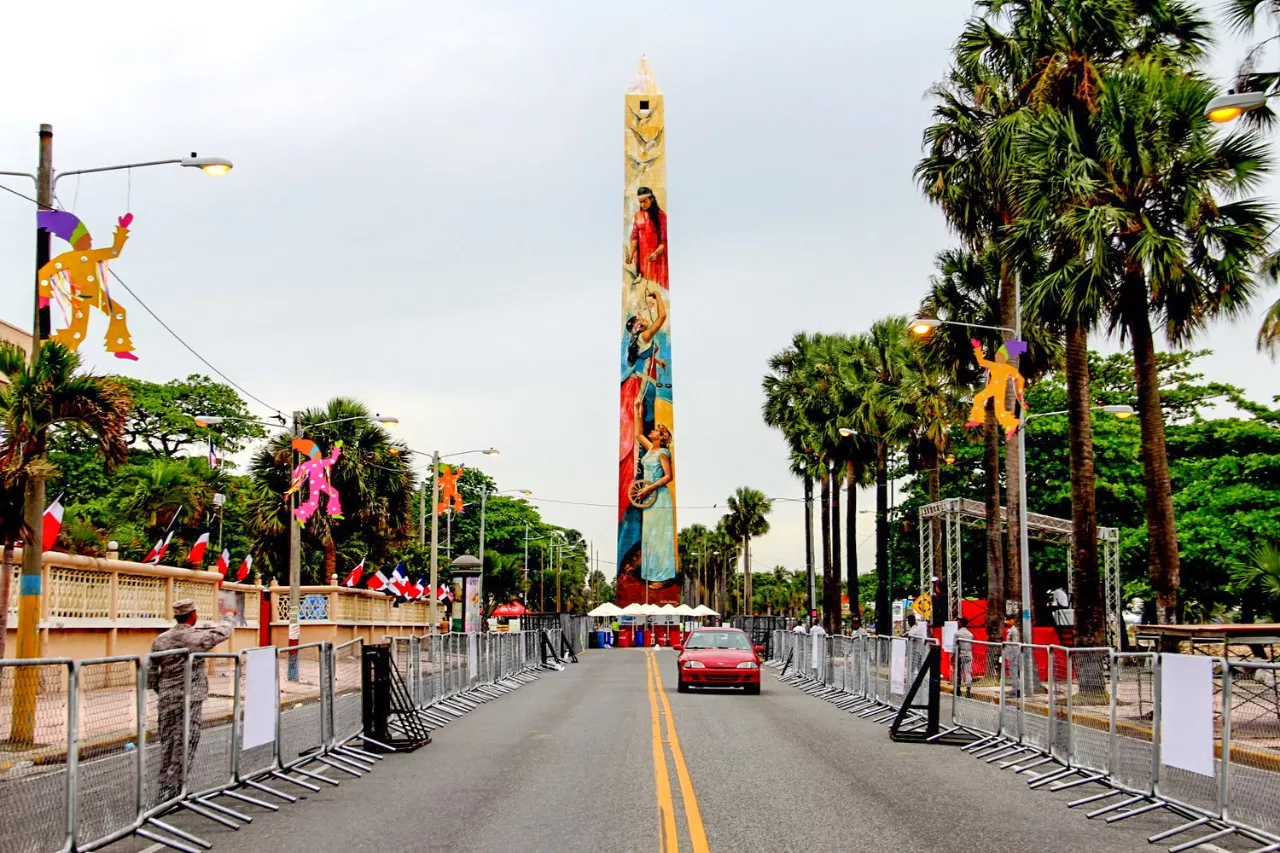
column 748, row 664
column 694, row 664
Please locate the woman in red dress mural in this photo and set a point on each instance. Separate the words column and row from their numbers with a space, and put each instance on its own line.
column 648, row 249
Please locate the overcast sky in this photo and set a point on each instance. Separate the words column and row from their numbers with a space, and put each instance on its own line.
column 425, row 210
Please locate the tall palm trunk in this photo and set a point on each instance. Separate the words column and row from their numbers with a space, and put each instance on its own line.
column 1162, row 542
column 851, row 541
column 825, row 508
column 995, row 549
column 884, row 611
column 1086, row 581
column 6, row 582
column 833, row 597
column 330, row 560
column 808, row 542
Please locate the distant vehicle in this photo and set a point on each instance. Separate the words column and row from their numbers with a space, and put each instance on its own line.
column 718, row 657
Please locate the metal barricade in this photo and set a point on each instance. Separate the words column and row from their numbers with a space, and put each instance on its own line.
column 37, row 701
column 978, row 697
column 258, row 760
column 1250, row 701
column 108, row 773
column 302, row 701
column 214, row 723
column 1183, row 787
column 1132, row 710
column 348, row 698
column 1087, row 714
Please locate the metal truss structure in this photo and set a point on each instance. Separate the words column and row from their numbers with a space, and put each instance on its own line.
column 952, row 513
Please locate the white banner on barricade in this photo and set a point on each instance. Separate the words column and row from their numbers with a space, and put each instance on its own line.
column 259, row 697
column 473, row 655
column 1186, row 712
column 898, row 665
column 949, row 630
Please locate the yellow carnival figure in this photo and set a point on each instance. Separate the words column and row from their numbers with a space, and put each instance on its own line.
column 999, row 373
column 78, row 280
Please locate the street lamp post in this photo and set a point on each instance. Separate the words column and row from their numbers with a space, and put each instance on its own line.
column 45, row 180
column 295, row 530
column 435, row 519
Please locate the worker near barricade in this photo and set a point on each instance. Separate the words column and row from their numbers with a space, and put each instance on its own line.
column 917, row 641
column 1012, row 654
column 166, row 676
column 964, row 656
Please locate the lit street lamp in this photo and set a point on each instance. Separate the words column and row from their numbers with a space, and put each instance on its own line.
column 295, row 532
column 1232, row 105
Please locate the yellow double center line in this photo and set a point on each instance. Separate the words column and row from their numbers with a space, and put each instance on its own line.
column 668, row 840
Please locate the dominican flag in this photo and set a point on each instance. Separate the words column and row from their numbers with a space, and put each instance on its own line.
column 416, row 589
column 196, row 557
column 444, row 594
column 215, row 461
column 52, row 523
column 357, row 573
column 399, row 581
column 158, row 549
column 244, row 569
column 377, row 582
column 224, row 562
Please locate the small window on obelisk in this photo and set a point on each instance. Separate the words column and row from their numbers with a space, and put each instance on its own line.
column 644, row 106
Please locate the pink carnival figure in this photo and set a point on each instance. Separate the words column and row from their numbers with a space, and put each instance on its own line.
column 315, row 470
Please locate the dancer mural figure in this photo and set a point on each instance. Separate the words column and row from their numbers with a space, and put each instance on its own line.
column 315, row 471
column 651, row 495
column 449, row 489
column 78, row 280
column 999, row 373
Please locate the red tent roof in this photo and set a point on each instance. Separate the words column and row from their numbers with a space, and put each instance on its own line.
column 509, row 610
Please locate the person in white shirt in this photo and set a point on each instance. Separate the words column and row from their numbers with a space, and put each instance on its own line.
column 818, row 633
column 917, row 635
column 798, row 628
column 964, row 655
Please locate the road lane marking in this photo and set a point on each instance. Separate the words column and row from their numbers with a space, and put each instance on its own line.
column 668, row 840
column 693, row 814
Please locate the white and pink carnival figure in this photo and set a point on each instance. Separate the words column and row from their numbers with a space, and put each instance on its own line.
column 315, row 470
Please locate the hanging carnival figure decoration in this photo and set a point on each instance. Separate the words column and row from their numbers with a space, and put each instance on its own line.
column 77, row 280
column 999, row 374
column 449, row 497
column 315, row 470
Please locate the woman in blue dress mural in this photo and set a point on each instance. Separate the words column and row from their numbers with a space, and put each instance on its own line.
column 657, row 525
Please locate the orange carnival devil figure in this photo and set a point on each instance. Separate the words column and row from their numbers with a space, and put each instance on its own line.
column 999, row 373
column 78, row 280
column 449, row 489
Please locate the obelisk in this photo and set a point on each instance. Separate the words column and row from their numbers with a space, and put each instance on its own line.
column 648, row 562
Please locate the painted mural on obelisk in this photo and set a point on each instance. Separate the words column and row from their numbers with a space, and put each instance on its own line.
column 648, row 562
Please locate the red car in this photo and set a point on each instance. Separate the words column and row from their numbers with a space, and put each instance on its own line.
column 718, row 657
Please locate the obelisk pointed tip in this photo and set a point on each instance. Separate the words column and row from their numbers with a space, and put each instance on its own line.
column 643, row 82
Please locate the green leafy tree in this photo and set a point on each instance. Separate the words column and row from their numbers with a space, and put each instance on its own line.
column 163, row 416
column 748, row 518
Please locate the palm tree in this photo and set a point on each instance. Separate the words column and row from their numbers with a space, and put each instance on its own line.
column 1260, row 576
column 372, row 475
column 748, row 517
column 1138, row 197
column 49, row 394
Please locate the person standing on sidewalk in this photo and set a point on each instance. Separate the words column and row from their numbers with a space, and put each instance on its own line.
column 964, row 655
column 1011, row 652
column 166, row 676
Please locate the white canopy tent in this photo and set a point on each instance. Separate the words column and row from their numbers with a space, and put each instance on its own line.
column 606, row 610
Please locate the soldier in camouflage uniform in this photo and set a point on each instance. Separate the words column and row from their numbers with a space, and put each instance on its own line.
column 166, row 677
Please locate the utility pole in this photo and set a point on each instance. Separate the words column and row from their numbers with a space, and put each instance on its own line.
column 435, row 533
column 484, row 495
column 295, row 554
column 26, row 681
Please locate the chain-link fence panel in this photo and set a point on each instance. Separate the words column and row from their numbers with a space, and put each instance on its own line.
column 35, row 701
column 1089, row 709
column 348, row 696
column 1252, row 703
column 1011, row 663
column 1132, row 708
column 107, row 766
column 301, row 714
column 979, row 697
column 212, row 722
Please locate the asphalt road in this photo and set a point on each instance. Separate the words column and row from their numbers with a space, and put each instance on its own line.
column 569, row 764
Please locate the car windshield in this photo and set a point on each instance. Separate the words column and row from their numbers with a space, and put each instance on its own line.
column 718, row 640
